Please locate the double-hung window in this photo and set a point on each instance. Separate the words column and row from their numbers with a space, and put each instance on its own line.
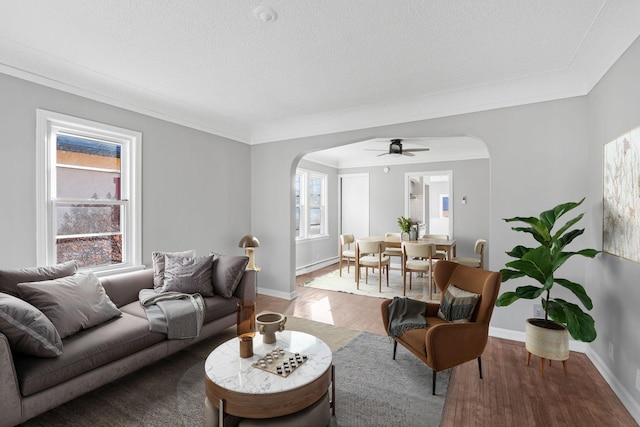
column 88, row 193
column 310, row 192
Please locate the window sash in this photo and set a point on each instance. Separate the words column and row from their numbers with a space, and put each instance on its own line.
column 49, row 125
column 311, row 204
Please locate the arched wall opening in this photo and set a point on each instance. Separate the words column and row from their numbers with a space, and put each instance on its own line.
column 466, row 158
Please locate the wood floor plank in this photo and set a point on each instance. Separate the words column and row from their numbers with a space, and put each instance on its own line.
column 511, row 393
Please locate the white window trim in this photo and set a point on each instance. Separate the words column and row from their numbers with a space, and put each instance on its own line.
column 304, row 205
column 46, row 123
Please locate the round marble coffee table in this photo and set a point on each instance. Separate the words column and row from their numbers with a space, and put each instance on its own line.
column 235, row 387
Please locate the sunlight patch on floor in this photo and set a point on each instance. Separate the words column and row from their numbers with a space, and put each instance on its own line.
column 321, row 311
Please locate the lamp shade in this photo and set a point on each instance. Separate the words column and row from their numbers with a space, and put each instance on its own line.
column 249, row 241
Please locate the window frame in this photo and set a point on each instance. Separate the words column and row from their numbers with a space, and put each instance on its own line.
column 305, row 205
column 48, row 125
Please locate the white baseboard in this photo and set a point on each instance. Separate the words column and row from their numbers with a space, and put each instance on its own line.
column 625, row 397
column 277, row 294
column 316, row 266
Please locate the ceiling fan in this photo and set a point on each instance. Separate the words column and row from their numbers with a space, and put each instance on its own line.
column 395, row 147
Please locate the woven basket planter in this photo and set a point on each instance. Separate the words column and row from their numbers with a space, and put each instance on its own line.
column 547, row 339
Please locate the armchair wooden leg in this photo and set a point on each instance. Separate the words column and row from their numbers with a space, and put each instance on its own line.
column 395, row 347
column 480, row 366
column 433, row 388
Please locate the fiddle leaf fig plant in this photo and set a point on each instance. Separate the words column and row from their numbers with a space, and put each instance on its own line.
column 405, row 224
column 541, row 264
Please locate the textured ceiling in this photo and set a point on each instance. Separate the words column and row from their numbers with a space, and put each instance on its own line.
column 321, row 66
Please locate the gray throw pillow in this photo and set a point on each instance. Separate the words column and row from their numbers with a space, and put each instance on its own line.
column 189, row 275
column 159, row 264
column 227, row 272
column 71, row 303
column 28, row 330
column 9, row 279
column 457, row 305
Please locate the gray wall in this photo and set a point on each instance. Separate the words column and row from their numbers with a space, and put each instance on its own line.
column 614, row 109
column 195, row 186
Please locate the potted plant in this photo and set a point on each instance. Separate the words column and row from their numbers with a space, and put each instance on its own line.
column 405, row 224
column 541, row 264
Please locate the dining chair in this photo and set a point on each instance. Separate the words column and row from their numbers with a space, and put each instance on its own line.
column 439, row 254
column 371, row 255
column 391, row 252
column 478, row 248
column 347, row 254
column 417, row 258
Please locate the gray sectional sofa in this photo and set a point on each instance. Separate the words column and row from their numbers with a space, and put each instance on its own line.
column 92, row 357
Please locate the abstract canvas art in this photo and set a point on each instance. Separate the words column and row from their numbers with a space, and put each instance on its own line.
column 621, row 198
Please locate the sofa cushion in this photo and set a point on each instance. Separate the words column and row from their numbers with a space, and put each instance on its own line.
column 158, row 259
column 227, row 272
column 215, row 308
column 28, row 330
column 9, row 279
column 71, row 303
column 86, row 350
column 188, row 274
column 457, row 305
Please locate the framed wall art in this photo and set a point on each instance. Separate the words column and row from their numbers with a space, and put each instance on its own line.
column 621, row 196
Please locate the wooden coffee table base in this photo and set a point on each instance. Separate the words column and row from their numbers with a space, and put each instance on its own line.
column 269, row 405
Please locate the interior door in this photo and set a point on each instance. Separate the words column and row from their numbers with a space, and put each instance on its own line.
column 354, row 204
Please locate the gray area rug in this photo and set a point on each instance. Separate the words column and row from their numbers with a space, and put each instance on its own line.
column 371, row 388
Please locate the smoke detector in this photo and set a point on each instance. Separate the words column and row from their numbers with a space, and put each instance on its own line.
column 265, row 14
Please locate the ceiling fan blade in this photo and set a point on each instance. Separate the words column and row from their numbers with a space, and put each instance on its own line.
column 407, row 153
column 373, row 149
column 414, row 150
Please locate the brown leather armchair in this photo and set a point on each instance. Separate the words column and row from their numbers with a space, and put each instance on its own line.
column 443, row 345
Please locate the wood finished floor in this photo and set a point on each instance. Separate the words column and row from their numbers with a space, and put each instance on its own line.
column 511, row 393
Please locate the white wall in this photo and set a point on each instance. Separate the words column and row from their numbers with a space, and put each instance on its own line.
column 195, row 186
